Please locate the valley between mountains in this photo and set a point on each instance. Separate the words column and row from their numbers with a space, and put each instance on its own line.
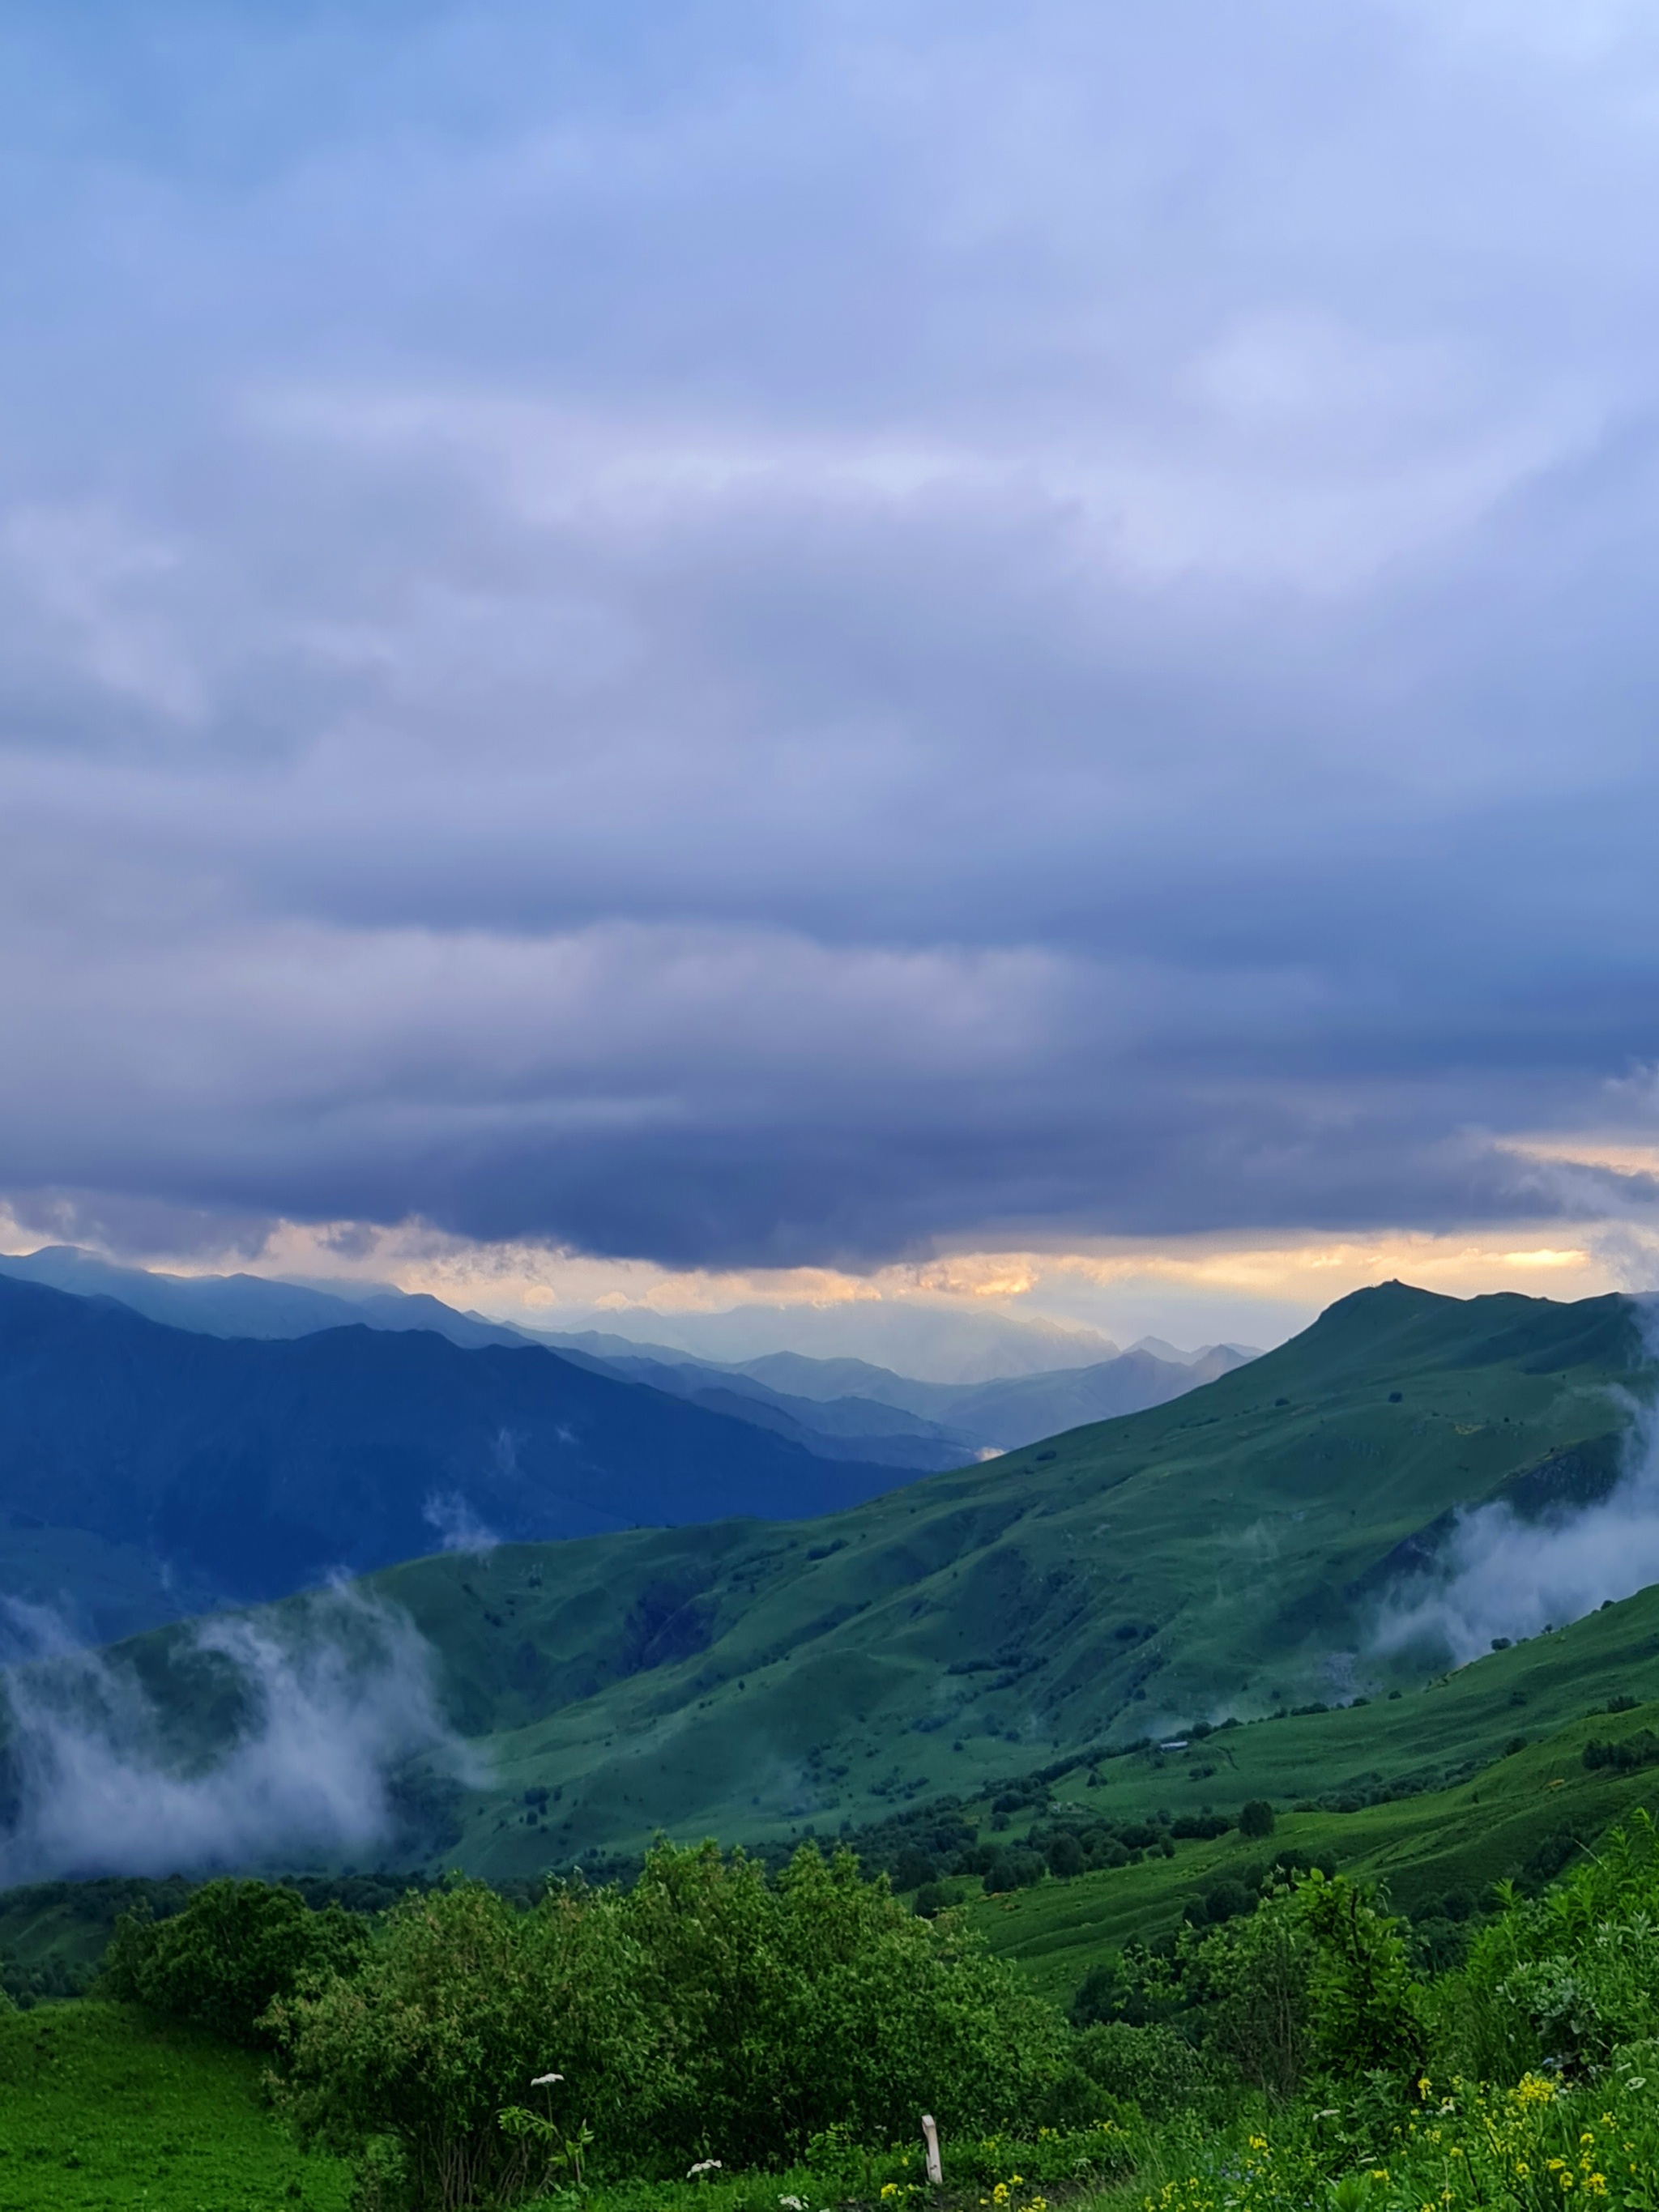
column 1235, row 1552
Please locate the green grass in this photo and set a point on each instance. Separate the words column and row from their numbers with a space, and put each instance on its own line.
column 1486, row 1829
column 100, row 2107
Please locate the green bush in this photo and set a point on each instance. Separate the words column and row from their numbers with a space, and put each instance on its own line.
column 1101, row 1993
column 1316, row 1980
column 705, row 2013
column 235, row 1947
column 1067, row 1857
column 936, row 1897
column 1255, row 1819
column 1013, row 1869
column 1570, row 1976
column 1153, row 2067
column 1366, row 2004
column 461, row 2003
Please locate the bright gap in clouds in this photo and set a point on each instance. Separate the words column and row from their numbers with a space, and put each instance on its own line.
column 1200, row 1291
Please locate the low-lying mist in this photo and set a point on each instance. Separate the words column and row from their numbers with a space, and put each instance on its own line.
column 1502, row 1574
column 268, row 1740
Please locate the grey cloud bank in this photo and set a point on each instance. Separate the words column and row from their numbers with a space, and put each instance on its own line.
column 764, row 641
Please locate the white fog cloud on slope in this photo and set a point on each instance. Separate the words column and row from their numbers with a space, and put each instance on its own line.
column 1504, row 1576
column 338, row 1697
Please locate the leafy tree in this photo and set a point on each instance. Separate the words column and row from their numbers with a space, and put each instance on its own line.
column 1255, row 1819
column 1066, row 1856
column 706, row 2013
column 235, row 1947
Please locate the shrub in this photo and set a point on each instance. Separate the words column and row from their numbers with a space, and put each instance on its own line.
column 1255, row 1819
column 1226, row 1901
column 1366, row 2012
column 235, row 1947
column 1101, row 1993
column 1201, row 1827
column 1317, row 1979
column 1013, row 1869
column 1256, row 1975
column 705, row 2013
column 1151, row 2067
column 1572, row 1975
column 936, row 1897
column 1625, row 1756
column 461, row 2004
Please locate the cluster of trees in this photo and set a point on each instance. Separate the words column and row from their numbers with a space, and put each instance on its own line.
column 463, row 2049
column 1625, row 1755
column 1065, row 1846
column 706, row 2011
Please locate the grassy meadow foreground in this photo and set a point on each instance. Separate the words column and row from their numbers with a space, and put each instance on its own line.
column 102, row 2106
column 715, row 2038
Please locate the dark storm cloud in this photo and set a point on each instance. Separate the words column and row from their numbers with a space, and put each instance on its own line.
column 781, row 636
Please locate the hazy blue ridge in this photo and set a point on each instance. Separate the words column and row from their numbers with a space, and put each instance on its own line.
column 247, row 1469
column 839, row 1409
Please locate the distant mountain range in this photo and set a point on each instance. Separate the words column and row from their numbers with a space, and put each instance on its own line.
column 835, row 1409
column 147, row 1471
column 249, row 1305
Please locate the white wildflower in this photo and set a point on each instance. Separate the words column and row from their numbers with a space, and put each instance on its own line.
column 545, row 2081
column 704, row 2165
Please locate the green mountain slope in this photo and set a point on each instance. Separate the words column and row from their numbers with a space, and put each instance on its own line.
column 1221, row 1554
column 1511, row 1728
column 1218, row 1554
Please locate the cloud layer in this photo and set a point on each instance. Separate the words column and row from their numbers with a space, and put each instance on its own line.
column 782, row 639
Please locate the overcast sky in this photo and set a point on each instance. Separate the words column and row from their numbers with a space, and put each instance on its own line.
column 745, row 637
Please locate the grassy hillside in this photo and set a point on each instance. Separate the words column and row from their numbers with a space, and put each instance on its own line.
column 1219, row 1555
column 100, row 2108
column 1512, row 1729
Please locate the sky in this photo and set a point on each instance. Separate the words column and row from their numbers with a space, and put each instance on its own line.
column 829, row 656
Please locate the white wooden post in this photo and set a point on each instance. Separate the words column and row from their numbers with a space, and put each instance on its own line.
column 929, row 2137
